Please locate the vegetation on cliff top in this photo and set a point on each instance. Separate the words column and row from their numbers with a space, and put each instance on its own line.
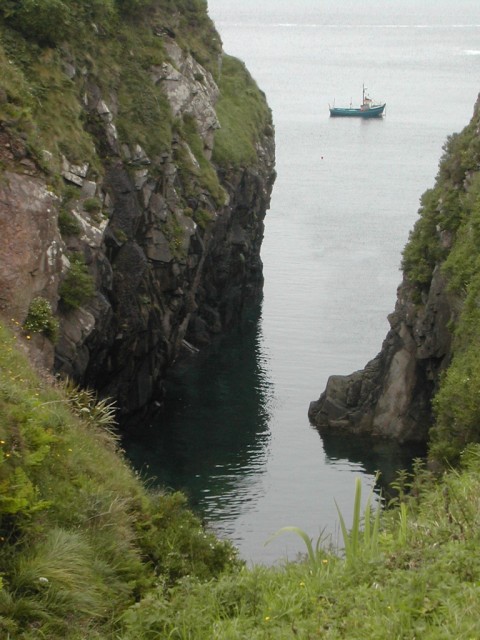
column 87, row 552
column 51, row 50
column 447, row 236
column 420, row 580
column 243, row 113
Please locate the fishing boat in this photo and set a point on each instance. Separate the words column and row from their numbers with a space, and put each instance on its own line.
column 368, row 109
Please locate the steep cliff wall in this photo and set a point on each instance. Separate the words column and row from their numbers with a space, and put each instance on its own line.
column 137, row 162
column 425, row 382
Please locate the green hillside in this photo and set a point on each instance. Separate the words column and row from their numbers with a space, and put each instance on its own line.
column 50, row 49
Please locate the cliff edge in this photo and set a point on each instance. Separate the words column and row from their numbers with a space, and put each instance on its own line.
column 137, row 163
column 424, row 383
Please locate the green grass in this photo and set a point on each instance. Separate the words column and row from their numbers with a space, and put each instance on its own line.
column 421, row 582
column 40, row 101
column 144, row 113
column 41, row 104
column 195, row 180
column 243, row 113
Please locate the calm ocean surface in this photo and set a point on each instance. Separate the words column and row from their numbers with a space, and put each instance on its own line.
column 347, row 193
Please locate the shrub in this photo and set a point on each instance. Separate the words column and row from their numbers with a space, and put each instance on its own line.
column 446, row 207
column 68, row 225
column 175, row 543
column 40, row 319
column 92, row 205
column 462, row 264
column 45, row 21
column 457, row 407
column 78, row 285
column 423, row 249
column 203, row 218
column 461, row 156
column 119, row 235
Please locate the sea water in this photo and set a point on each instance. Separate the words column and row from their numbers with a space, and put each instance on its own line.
column 237, row 436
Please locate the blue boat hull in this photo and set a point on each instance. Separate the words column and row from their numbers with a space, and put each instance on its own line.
column 371, row 112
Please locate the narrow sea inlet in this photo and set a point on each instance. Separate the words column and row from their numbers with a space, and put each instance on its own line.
column 235, row 433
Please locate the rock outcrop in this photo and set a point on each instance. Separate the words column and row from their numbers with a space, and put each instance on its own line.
column 163, row 238
column 391, row 397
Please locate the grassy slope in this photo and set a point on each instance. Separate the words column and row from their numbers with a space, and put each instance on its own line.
column 80, row 537
column 115, row 45
column 243, row 114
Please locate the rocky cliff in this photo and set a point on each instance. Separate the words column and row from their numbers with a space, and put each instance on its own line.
column 424, row 384
column 137, row 162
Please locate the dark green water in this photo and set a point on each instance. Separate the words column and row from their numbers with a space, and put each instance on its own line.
column 214, row 431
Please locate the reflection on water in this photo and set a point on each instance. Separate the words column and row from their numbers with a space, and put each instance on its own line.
column 211, row 438
column 374, row 454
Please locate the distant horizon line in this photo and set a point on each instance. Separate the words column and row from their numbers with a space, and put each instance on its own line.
column 348, row 26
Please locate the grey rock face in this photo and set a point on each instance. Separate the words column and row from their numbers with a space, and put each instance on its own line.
column 164, row 281
column 173, row 260
column 30, row 246
column 191, row 90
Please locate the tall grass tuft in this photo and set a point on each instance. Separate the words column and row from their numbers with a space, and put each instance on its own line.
column 403, row 522
column 96, row 412
column 315, row 555
column 58, row 573
column 357, row 542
